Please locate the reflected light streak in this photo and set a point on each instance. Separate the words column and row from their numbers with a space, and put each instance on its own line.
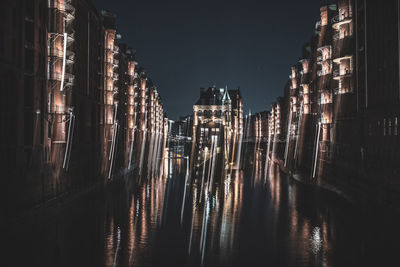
column 316, row 240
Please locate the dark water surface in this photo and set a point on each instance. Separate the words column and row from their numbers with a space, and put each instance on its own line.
column 246, row 219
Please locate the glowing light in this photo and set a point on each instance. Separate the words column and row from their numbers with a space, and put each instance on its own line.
column 316, row 240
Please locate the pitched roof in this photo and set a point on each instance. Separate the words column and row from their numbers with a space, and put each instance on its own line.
column 214, row 96
column 211, row 96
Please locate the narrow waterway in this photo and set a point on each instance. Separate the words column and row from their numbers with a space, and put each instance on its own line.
column 169, row 218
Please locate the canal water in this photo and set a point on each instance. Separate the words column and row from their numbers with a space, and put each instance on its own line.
column 167, row 217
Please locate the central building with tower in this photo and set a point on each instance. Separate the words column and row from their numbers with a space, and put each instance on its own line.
column 217, row 125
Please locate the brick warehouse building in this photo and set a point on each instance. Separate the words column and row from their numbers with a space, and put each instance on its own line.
column 69, row 98
column 340, row 113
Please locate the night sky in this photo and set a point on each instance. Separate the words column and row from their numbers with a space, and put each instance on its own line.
column 186, row 45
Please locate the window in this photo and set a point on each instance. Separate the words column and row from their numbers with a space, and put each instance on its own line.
column 29, row 60
column 29, row 10
column 384, row 127
column 63, row 103
column 29, row 33
column 49, row 102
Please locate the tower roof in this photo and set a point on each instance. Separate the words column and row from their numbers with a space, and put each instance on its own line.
column 214, row 96
column 226, row 95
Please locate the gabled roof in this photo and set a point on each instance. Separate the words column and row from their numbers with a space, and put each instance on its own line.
column 214, row 96
column 211, row 96
column 226, row 96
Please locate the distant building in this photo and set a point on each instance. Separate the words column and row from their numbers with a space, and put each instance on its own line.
column 217, row 123
column 237, row 111
column 257, row 126
column 183, row 127
column 212, row 115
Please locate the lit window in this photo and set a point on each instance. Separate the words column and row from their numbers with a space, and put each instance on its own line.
column 395, row 125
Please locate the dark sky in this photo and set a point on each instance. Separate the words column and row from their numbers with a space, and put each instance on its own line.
column 187, row 44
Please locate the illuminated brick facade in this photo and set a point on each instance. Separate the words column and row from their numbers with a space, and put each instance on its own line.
column 74, row 101
column 341, row 104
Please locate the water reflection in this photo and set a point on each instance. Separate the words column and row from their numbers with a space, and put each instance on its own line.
column 246, row 212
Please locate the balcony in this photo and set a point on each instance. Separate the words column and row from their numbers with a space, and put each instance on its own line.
column 69, row 79
column 115, row 63
column 60, row 109
column 327, row 64
column 325, row 120
column 68, row 10
column 116, row 49
column 57, row 32
column 57, row 76
column 321, row 59
column 339, row 74
column 58, row 53
column 341, row 19
column 115, row 76
column 70, row 56
column 325, row 100
column 327, row 48
column 321, row 73
column 318, row 25
column 338, row 36
column 341, row 91
column 340, row 59
column 65, row 7
column 70, row 37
